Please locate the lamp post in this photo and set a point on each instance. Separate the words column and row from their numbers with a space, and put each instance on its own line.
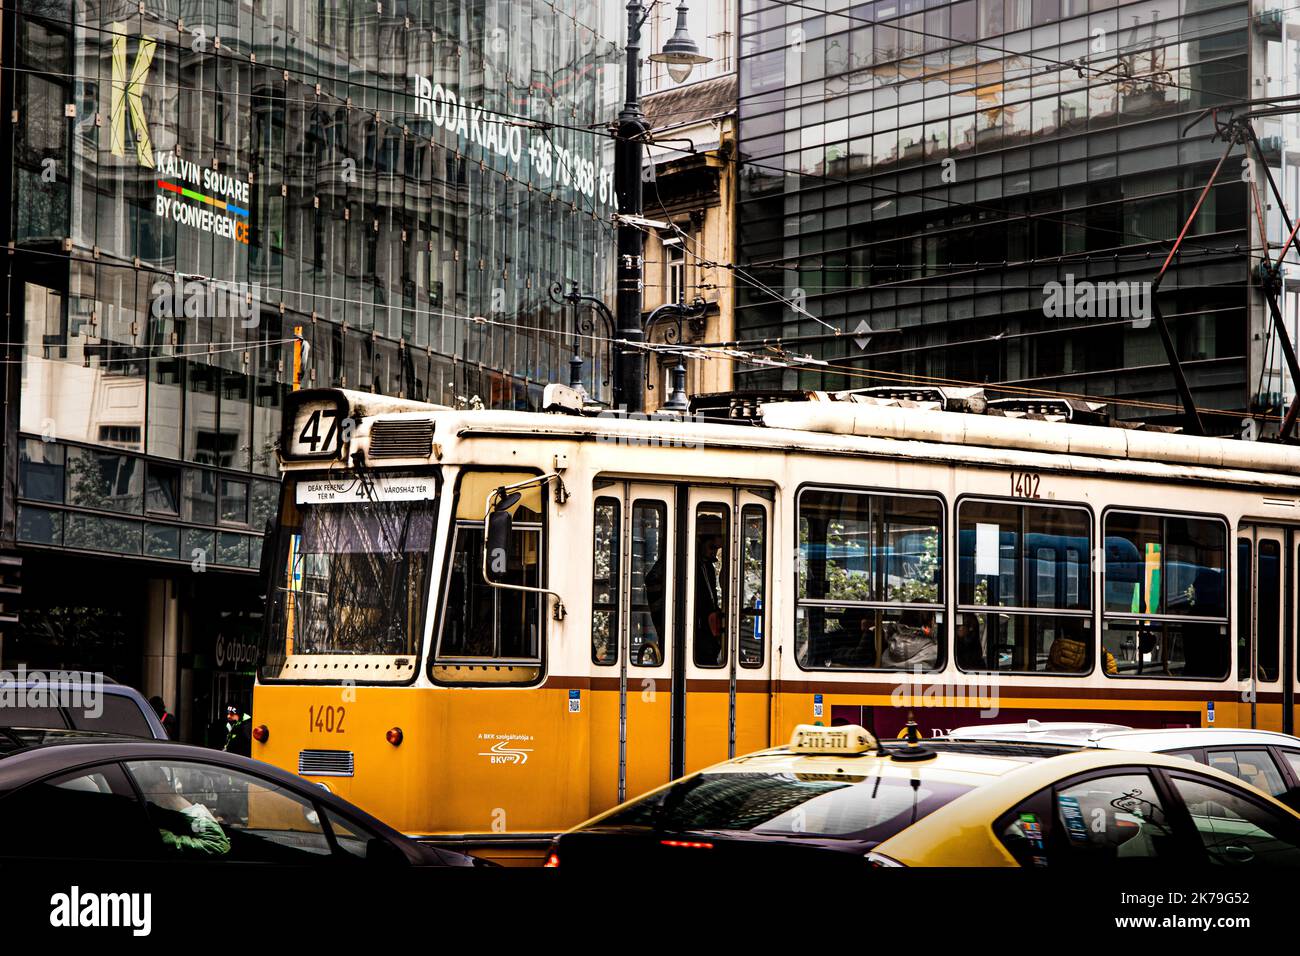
column 628, row 392
column 680, row 54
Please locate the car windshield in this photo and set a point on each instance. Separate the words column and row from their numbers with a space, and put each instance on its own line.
column 865, row 808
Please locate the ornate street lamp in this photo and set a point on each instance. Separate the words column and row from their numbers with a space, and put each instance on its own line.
column 681, row 54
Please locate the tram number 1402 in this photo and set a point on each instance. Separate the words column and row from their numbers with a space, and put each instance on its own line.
column 1024, row 484
column 326, row 719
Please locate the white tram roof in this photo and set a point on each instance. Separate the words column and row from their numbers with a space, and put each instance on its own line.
column 850, row 423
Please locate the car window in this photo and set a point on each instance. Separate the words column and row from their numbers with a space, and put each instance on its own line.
column 48, row 717
column 1110, row 819
column 1234, row 829
column 787, row 804
column 78, row 815
column 351, row 839
column 1293, row 758
column 118, row 715
column 1256, row 767
column 208, row 812
column 1023, row 831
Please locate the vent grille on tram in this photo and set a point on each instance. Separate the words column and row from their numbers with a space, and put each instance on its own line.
column 325, row 763
column 402, row 439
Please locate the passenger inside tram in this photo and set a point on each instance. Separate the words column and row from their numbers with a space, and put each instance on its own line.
column 708, row 628
column 648, row 619
column 969, row 642
column 910, row 641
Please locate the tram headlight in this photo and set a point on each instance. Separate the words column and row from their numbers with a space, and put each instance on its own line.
column 395, row 736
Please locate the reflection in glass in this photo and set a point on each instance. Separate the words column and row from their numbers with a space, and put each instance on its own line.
column 648, row 584
column 605, row 582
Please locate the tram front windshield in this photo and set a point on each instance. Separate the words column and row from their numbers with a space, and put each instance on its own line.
column 353, row 578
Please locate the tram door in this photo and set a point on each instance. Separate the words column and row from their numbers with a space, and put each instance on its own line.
column 721, row 674
column 1265, row 618
column 634, row 565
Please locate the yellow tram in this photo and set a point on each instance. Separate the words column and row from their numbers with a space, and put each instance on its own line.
column 487, row 626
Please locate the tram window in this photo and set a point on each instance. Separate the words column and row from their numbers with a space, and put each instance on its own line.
column 857, row 637
column 870, row 581
column 989, row 566
column 355, row 578
column 1162, row 565
column 1016, row 563
column 605, row 582
column 489, row 622
column 1024, row 642
column 1268, row 618
column 647, row 623
column 859, row 547
column 835, row 546
column 1245, row 568
column 1166, row 649
column 1161, row 570
column 1024, row 556
column 712, row 561
column 482, row 623
column 753, row 581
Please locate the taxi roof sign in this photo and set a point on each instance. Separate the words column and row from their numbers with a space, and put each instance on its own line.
column 846, row 739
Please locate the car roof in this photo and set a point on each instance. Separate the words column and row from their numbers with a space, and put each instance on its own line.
column 971, row 769
column 1178, row 738
column 1120, row 737
column 108, row 688
column 111, row 690
column 24, row 738
column 987, row 804
column 41, row 676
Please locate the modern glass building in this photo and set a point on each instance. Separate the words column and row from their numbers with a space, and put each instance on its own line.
column 915, row 173
column 194, row 188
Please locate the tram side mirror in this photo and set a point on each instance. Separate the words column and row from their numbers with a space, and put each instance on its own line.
column 500, row 525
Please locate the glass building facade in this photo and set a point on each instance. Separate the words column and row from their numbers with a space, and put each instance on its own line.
column 916, row 172
column 197, row 186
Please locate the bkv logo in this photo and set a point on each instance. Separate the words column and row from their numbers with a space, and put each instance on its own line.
column 126, row 97
column 507, row 750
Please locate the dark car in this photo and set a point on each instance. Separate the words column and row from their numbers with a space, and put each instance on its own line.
column 66, row 794
column 78, row 702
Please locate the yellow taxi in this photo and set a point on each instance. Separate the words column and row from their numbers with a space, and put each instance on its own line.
column 836, row 799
